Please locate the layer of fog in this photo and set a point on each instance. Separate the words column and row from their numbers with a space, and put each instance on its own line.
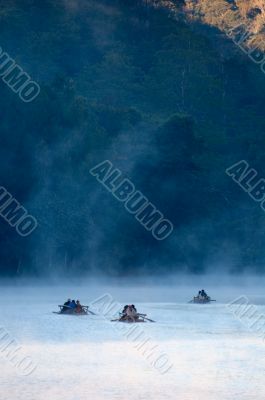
column 174, row 288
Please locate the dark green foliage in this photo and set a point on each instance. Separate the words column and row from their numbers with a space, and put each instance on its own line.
column 122, row 81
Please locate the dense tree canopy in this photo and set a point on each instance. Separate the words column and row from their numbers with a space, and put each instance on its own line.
column 155, row 96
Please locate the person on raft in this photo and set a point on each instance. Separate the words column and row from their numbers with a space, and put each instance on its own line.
column 129, row 312
column 73, row 304
column 124, row 309
column 203, row 293
column 66, row 305
column 78, row 308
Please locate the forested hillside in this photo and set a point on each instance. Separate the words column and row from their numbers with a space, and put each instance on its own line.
column 125, row 81
column 226, row 15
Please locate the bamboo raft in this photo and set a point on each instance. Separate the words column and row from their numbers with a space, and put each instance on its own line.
column 66, row 310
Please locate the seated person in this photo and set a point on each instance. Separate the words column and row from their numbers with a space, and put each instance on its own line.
column 131, row 313
column 124, row 312
column 124, row 309
column 133, row 306
column 72, row 304
column 203, row 293
column 66, row 305
column 78, row 308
